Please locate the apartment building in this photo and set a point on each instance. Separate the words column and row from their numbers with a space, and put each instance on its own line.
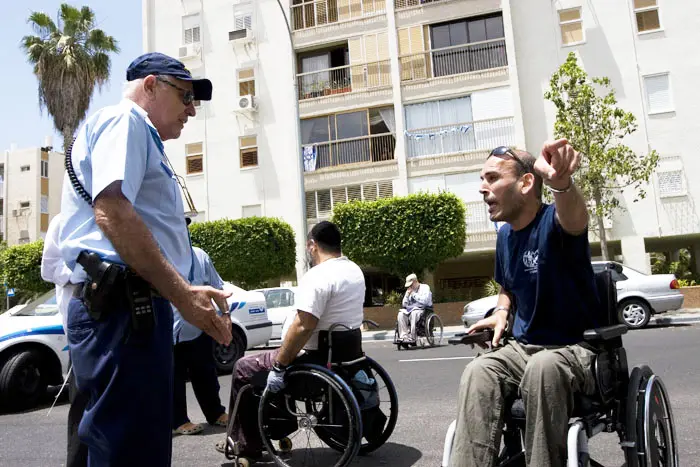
column 400, row 96
column 30, row 186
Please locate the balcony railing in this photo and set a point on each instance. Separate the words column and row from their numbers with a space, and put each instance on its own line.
column 461, row 137
column 478, row 218
column 344, row 79
column 373, row 148
column 312, row 14
column 400, row 4
column 455, row 60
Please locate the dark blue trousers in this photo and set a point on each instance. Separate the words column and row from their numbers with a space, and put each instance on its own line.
column 196, row 359
column 128, row 379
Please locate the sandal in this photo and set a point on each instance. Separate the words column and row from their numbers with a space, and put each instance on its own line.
column 221, row 447
column 222, row 420
column 189, row 428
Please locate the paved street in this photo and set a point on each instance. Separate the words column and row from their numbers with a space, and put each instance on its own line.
column 426, row 381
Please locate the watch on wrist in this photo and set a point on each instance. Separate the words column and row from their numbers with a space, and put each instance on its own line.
column 278, row 367
column 565, row 190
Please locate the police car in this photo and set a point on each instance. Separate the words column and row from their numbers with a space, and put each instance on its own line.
column 34, row 350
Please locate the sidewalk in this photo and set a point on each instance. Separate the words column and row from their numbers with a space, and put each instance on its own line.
column 682, row 316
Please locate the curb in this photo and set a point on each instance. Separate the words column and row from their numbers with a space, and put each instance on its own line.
column 660, row 320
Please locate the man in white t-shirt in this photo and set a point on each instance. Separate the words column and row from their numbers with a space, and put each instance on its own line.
column 332, row 292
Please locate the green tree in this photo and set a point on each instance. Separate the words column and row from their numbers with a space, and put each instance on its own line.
column 594, row 125
column 22, row 268
column 247, row 251
column 404, row 234
column 70, row 59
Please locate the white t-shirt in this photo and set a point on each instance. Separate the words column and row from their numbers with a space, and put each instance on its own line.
column 334, row 292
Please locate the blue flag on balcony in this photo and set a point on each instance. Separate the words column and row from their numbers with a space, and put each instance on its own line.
column 444, row 131
column 309, row 157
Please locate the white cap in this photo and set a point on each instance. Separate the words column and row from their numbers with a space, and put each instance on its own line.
column 410, row 279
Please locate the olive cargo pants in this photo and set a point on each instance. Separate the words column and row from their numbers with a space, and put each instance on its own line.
column 545, row 377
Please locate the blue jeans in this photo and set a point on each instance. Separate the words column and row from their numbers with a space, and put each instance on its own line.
column 128, row 379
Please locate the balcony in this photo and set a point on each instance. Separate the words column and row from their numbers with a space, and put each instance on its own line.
column 322, row 90
column 454, row 68
column 481, row 231
column 326, row 19
column 361, row 150
column 402, row 4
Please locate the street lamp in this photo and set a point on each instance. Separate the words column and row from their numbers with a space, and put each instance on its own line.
column 302, row 194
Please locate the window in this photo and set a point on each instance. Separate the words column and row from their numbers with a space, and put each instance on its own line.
column 483, row 44
column 253, row 210
column 658, row 93
column 45, row 169
column 24, row 168
column 571, row 26
column 24, row 204
column 320, row 204
column 246, row 82
column 248, row 151
column 194, row 158
column 647, row 15
column 431, row 118
column 44, row 204
column 191, row 29
column 242, row 21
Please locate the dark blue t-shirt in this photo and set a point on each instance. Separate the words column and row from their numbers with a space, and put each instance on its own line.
column 549, row 274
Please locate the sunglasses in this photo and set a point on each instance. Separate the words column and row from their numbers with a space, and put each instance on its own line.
column 505, row 150
column 187, row 95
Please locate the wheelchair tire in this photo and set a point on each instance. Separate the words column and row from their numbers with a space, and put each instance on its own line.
column 370, row 445
column 650, row 424
column 433, row 329
column 300, row 380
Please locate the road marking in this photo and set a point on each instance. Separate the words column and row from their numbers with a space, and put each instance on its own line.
column 434, row 359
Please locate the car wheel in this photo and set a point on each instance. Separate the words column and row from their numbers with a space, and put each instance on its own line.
column 225, row 356
column 634, row 313
column 22, row 379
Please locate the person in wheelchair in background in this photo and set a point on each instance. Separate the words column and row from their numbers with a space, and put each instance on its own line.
column 548, row 293
column 331, row 292
column 416, row 300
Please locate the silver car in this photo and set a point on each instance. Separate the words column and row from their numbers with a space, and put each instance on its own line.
column 639, row 296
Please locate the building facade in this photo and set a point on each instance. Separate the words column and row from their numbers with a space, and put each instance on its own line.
column 401, row 96
column 31, row 181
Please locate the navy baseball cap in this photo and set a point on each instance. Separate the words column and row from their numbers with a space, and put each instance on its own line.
column 154, row 63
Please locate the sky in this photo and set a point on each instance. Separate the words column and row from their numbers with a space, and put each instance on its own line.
column 23, row 122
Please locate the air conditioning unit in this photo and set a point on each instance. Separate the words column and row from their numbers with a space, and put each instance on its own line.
column 241, row 35
column 190, row 51
column 246, row 104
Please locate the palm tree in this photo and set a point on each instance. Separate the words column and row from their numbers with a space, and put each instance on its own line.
column 70, row 59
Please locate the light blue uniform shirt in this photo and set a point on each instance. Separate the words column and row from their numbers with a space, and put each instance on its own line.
column 120, row 143
column 204, row 274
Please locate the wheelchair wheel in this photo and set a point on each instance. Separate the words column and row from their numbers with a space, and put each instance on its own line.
column 650, row 423
column 433, row 329
column 315, row 400
column 378, row 422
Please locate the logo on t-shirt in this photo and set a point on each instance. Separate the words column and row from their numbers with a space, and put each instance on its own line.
column 530, row 260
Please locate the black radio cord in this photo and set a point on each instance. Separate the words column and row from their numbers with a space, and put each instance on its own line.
column 74, row 179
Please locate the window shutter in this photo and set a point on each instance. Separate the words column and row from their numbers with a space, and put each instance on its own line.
column 386, row 189
column 249, row 157
column 339, row 196
column 354, row 193
column 658, row 93
column 311, row 205
column 195, row 164
column 369, row 192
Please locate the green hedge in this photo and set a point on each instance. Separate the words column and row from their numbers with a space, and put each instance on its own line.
column 22, row 268
column 403, row 235
column 247, row 251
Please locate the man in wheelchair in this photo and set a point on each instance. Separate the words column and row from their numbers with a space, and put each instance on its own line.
column 416, row 300
column 543, row 265
column 331, row 293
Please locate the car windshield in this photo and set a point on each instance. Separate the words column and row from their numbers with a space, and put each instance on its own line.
column 279, row 298
column 43, row 306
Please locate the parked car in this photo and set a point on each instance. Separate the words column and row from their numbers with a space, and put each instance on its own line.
column 639, row 296
column 280, row 304
column 34, row 350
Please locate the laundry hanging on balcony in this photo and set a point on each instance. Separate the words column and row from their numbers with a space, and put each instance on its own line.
column 309, row 158
column 444, row 131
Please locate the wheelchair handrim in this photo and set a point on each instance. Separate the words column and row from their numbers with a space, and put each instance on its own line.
column 669, row 432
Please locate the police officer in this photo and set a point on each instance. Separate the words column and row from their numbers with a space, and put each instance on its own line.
column 121, row 207
column 193, row 356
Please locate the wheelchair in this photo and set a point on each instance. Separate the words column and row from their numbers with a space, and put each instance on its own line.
column 429, row 331
column 335, row 411
column 634, row 405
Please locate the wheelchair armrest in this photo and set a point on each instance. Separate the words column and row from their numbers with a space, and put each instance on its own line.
column 369, row 323
column 605, row 333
